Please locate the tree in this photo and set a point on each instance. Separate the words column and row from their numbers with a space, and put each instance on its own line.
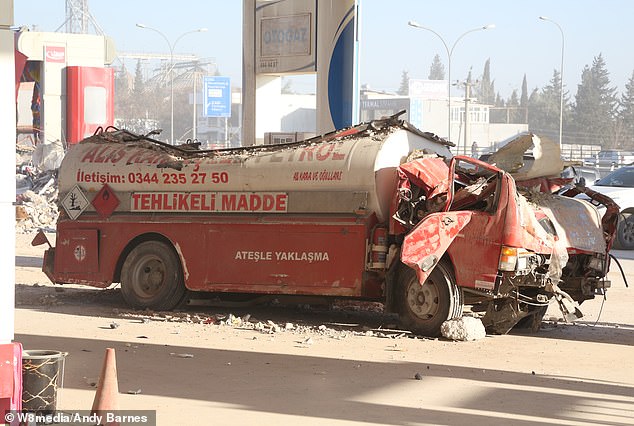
column 544, row 107
column 513, row 105
column 437, row 69
column 141, row 106
column 596, row 106
column 139, row 84
column 486, row 91
column 626, row 114
column 499, row 102
column 403, row 89
column 183, row 112
column 524, row 96
column 497, row 113
column 121, row 93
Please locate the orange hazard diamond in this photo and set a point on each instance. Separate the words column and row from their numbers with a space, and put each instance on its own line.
column 105, row 202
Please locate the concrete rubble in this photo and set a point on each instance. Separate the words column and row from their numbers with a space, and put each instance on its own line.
column 36, row 188
column 246, row 322
column 463, row 329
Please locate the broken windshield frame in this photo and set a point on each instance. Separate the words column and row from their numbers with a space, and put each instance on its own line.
column 473, row 185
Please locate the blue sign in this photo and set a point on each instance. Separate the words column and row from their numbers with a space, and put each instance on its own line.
column 217, row 96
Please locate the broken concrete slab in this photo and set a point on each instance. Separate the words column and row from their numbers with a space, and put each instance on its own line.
column 463, row 329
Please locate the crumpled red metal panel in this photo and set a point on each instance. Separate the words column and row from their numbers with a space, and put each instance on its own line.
column 428, row 241
column 430, row 174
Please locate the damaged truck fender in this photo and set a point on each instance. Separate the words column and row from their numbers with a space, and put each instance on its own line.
column 425, row 245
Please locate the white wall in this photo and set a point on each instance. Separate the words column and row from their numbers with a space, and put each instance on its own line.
column 267, row 108
column 298, row 113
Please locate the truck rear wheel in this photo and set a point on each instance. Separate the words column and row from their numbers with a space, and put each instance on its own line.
column 152, row 277
column 423, row 308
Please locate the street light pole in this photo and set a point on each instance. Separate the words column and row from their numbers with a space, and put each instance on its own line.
column 561, row 81
column 171, row 47
column 449, row 54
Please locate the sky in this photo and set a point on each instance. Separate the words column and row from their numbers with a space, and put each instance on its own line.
column 520, row 44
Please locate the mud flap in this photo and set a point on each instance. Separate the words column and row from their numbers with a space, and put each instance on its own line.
column 502, row 315
column 569, row 308
column 430, row 239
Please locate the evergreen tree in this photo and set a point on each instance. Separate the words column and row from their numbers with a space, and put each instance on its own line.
column 626, row 112
column 486, row 91
column 513, row 106
column 139, row 84
column 143, row 102
column 626, row 115
column 492, row 93
column 437, row 69
column 523, row 107
column 595, row 106
column 524, row 96
column 534, row 98
column 121, row 94
column 121, row 81
column 403, row 89
column 544, row 108
column 497, row 113
column 499, row 102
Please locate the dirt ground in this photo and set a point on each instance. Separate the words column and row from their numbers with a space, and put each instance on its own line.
column 278, row 365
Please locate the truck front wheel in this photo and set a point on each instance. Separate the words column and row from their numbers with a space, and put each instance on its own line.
column 152, row 277
column 423, row 308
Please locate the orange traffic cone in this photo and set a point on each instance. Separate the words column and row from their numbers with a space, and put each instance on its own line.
column 107, row 396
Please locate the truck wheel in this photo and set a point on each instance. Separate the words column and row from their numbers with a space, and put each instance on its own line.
column 152, row 277
column 625, row 232
column 423, row 309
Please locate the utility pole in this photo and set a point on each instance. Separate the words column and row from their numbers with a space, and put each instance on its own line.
column 194, row 76
column 467, row 132
column 467, row 99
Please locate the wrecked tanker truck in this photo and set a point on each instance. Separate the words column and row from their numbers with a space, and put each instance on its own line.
column 376, row 212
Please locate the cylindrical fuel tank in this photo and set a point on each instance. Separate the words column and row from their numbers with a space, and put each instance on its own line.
column 360, row 166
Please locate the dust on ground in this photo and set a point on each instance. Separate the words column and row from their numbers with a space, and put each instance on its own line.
column 324, row 365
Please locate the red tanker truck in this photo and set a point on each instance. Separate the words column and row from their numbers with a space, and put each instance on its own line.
column 377, row 212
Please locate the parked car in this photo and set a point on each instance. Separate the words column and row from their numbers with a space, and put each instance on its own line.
column 619, row 185
column 610, row 158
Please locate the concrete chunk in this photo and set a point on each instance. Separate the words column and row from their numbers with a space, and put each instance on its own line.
column 465, row 329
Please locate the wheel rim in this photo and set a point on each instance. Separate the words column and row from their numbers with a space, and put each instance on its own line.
column 148, row 277
column 423, row 300
column 627, row 233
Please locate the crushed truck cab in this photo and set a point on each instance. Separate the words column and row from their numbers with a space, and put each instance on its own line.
column 380, row 211
column 513, row 246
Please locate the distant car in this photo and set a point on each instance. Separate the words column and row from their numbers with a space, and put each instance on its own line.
column 619, row 185
column 582, row 175
column 610, row 158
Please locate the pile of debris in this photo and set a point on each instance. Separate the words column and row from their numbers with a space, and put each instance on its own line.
column 36, row 187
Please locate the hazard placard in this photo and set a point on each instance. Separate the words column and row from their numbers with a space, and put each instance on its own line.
column 75, row 202
column 105, row 202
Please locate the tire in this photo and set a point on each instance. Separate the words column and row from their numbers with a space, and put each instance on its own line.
column 625, row 232
column 152, row 277
column 533, row 321
column 423, row 309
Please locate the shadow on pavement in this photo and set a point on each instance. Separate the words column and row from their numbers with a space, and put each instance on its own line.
column 347, row 390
